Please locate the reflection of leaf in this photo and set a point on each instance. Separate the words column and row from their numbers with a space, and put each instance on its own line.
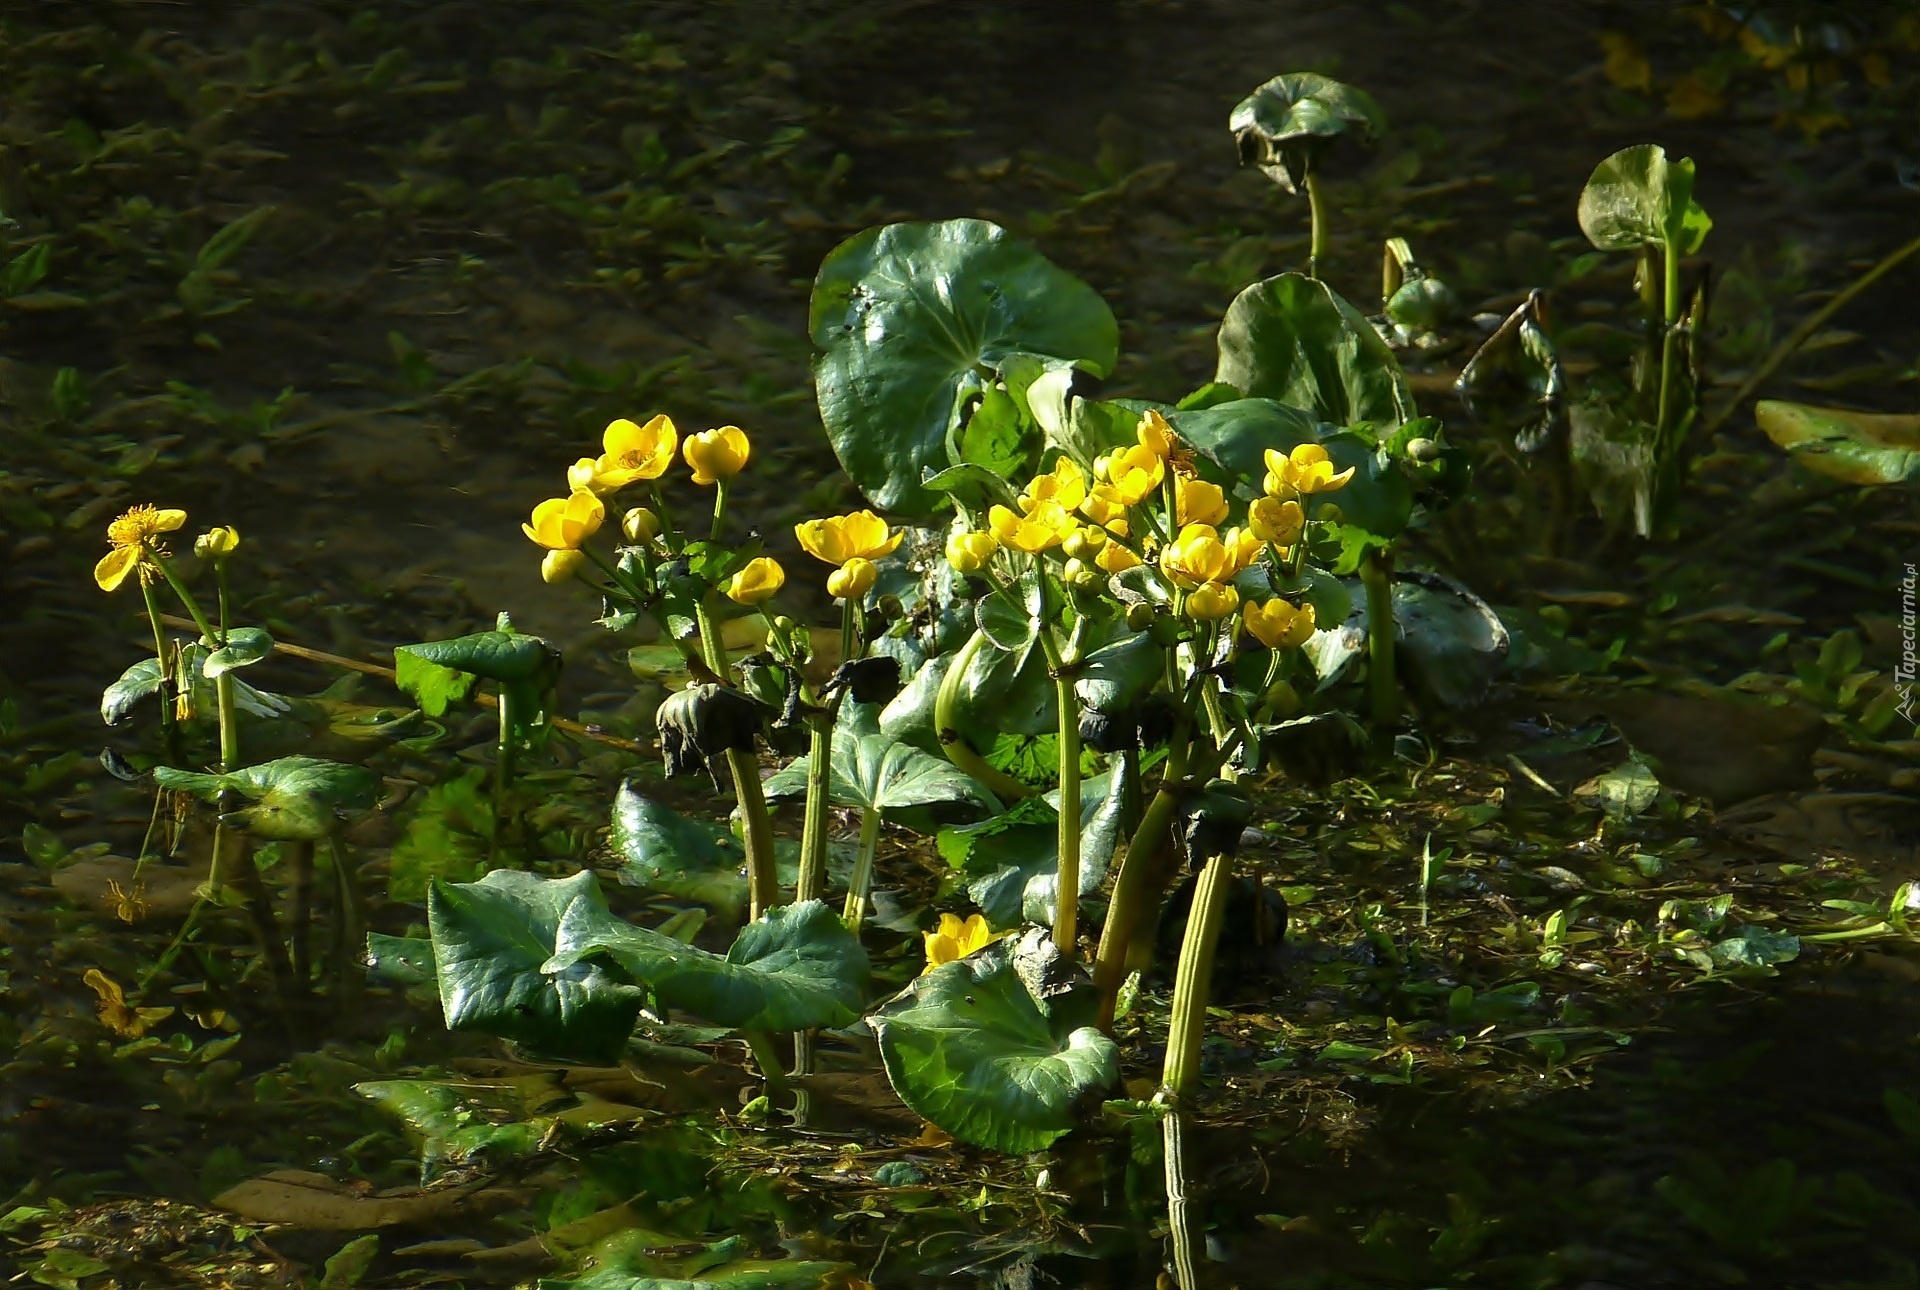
column 316, row 1203
column 445, row 836
column 1294, row 339
column 908, row 316
column 124, row 1021
column 996, row 1048
column 478, row 1119
column 1453, row 642
column 1853, row 447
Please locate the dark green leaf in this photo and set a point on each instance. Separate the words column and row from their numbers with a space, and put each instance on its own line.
column 293, row 798
column 245, row 646
column 908, row 316
column 1285, row 125
column 135, row 684
column 874, row 772
column 1292, row 338
column 1016, row 866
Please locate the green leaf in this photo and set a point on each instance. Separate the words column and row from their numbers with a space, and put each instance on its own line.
column 999, row 437
column 1453, row 643
column 400, row 960
column 135, row 684
column 1116, row 677
column 996, row 1048
column 683, row 858
column 1009, row 617
column 294, row 798
column 245, row 646
column 503, row 656
column 1016, row 864
column 909, row 316
column 1638, row 198
column 445, row 835
column 1005, row 692
column 874, row 772
column 1294, row 339
column 1854, row 447
column 350, row 1263
column 1624, row 791
column 1284, row 126
column 973, row 486
column 1235, row 437
column 230, row 240
column 1756, row 947
column 909, row 717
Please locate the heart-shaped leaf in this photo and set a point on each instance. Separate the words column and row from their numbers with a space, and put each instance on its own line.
column 1284, row 126
column 135, row 684
column 293, row 798
column 439, row 673
column 1015, row 858
column 1452, row 642
column 874, row 772
column 1294, row 339
column 1638, row 198
column 1854, row 447
column 910, row 318
column 997, row 1047
column 245, row 646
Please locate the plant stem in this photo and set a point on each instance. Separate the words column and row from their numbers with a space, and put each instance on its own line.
column 350, row 923
column 719, row 510
column 855, row 911
column 1180, row 1076
column 1066, row 894
column 767, row 1057
column 234, row 860
column 955, row 744
column 812, row 882
column 763, row 879
column 502, row 775
column 1376, row 573
column 300, row 856
column 1136, row 887
column 1670, row 293
column 155, row 618
column 1318, row 246
column 1183, row 1232
column 229, row 723
column 711, row 644
column 211, row 638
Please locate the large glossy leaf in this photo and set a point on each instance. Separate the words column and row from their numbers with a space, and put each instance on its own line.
column 291, row 798
column 1453, row 644
column 910, row 318
column 544, row 962
column 874, row 772
column 135, row 684
column 1294, row 339
column 909, row 718
column 1006, row 692
column 245, row 646
column 1235, row 437
column 996, row 1048
column 439, row 673
column 1286, row 124
column 1638, row 198
column 673, row 855
column 1854, row 447
column 1014, row 860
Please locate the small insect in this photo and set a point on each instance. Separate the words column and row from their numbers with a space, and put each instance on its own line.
column 969, row 999
column 128, row 906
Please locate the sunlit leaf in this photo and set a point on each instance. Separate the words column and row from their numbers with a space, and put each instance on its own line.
column 1293, row 339
column 1854, row 447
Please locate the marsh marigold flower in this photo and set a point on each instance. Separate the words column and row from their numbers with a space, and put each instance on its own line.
column 1156, row 436
column 840, row 538
column 1278, row 624
column 564, row 523
column 1103, row 505
column 716, row 454
column 1212, row 600
column 130, row 536
column 1198, row 502
column 969, row 552
column 631, row 453
column 217, row 543
column 558, row 566
column 1044, row 525
column 853, row 579
column 756, row 581
column 1132, row 473
column 955, row 938
column 1202, row 554
column 1306, row 469
column 1065, row 484
column 1275, row 521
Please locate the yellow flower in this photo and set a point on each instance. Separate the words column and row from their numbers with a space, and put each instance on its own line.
column 756, row 581
column 853, row 579
column 1275, row 521
column 558, row 566
column 1198, row 502
column 130, row 535
column 1156, row 436
column 564, row 523
column 1065, row 484
column 716, row 454
column 1044, row 525
column 1279, row 625
column 1307, row 469
column 640, row 525
column 956, row 938
column 1212, row 600
column 1103, row 505
column 1132, row 473
column 969, row 552
column 1201, row 554
column 217, row 543
column 1115, row 558
column 859, row 536
column 631, row 453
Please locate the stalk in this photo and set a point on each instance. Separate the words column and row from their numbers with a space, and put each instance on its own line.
column 234, row 859
column 167, row 731
column 855, row 911
column 954, row 744
column 1066, row 903
column 300, row 854
column 812, row 883
column 1318, row 246
column 1191, row 983
column 350, row 922
column 719, row 510
column 502, row 775
column 767, row 1057
column 1376, row 573
column 1136, row 887
column 763, row 879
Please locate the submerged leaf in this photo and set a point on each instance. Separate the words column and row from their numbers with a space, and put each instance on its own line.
column 1854, row 447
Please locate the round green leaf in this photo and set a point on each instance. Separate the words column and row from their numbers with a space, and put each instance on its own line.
column 1286, row 124
column 292, row 798
column 1854, row 447
column 909, row 317
column 245, row 646
column 1294, row 339
column 996, row 1048
column 1638, row 198
column 876, row 772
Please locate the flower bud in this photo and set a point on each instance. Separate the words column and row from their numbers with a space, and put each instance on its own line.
column 756, row 582
column 216, row 543
column 1084, row 544
column 1140, row 616
column 969, row 552
column 640, row 525
column 1079, row 573
column 558, row 566
column 1423, row 449
column 853, row 579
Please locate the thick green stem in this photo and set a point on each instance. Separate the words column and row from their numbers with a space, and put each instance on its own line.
column 812, row 883
column 945, row 705
column 1376, row 573
column 1180, row 1075
column 711, row 645
column 502, row 774
column 763, row 879
column 1066, row 912
column 855, row 911
column 719, row 510
column 166, row 673
column 1318, row 246
column 1184, row 1232
column 766, row 1055
column 224, row 702
column 1136, row 889
column 350, row 923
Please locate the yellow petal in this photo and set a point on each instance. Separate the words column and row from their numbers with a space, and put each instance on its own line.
column 115, row 565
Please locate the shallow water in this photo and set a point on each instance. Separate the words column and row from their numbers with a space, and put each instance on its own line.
column 481, row 249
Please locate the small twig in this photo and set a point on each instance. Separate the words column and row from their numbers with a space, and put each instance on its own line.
column 1799, row 336
column 386, row 673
